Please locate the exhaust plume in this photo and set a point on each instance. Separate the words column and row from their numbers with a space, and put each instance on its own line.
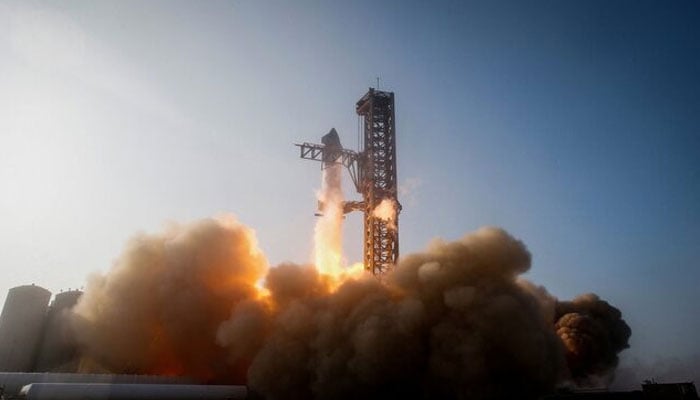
column 328, row 237
column 386, row 211
column 454, row 321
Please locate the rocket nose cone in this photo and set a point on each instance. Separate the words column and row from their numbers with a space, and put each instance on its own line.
column 331, row 139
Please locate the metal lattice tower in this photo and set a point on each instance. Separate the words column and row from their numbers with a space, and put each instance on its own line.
column 378, row 178
column 373, row 171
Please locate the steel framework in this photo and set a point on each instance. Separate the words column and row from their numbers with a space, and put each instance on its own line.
column 378, row 179
column 373, row 171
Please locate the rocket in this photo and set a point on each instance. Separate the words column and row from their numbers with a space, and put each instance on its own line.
column 331, row 148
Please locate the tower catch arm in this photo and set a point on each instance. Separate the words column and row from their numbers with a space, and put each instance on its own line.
column 319, row 152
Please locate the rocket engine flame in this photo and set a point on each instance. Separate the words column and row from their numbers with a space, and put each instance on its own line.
column 328, row 239
column 454, row 321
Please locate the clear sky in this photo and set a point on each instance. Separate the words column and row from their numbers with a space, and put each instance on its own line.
column 574, row 125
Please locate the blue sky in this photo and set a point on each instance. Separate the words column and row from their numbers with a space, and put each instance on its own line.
column 573, row 125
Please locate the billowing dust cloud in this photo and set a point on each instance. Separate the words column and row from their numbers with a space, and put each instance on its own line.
column 455, row 321
column 160, row 307
column 593, row 333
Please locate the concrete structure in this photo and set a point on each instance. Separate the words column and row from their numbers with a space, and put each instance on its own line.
column 58, row 351
column 21, row 327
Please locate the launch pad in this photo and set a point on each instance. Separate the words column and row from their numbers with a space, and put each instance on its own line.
column 372, row 169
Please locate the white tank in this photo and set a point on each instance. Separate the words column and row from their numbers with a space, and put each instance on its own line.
column 21, row 326
column 108, row 391
column 58, row 351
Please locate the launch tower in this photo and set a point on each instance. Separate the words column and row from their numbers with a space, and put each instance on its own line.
column 373, row 171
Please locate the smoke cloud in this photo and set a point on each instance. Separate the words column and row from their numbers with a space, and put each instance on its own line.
column 387, row 211
column 454, row 321
column 159, row 309
column 593, row 333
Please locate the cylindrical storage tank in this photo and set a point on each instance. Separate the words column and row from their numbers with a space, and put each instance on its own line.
column 12, row 382
column 21, row 326
column 108, row 391
column 58, row 351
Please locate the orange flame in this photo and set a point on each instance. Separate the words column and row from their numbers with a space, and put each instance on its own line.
column 328, row 237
